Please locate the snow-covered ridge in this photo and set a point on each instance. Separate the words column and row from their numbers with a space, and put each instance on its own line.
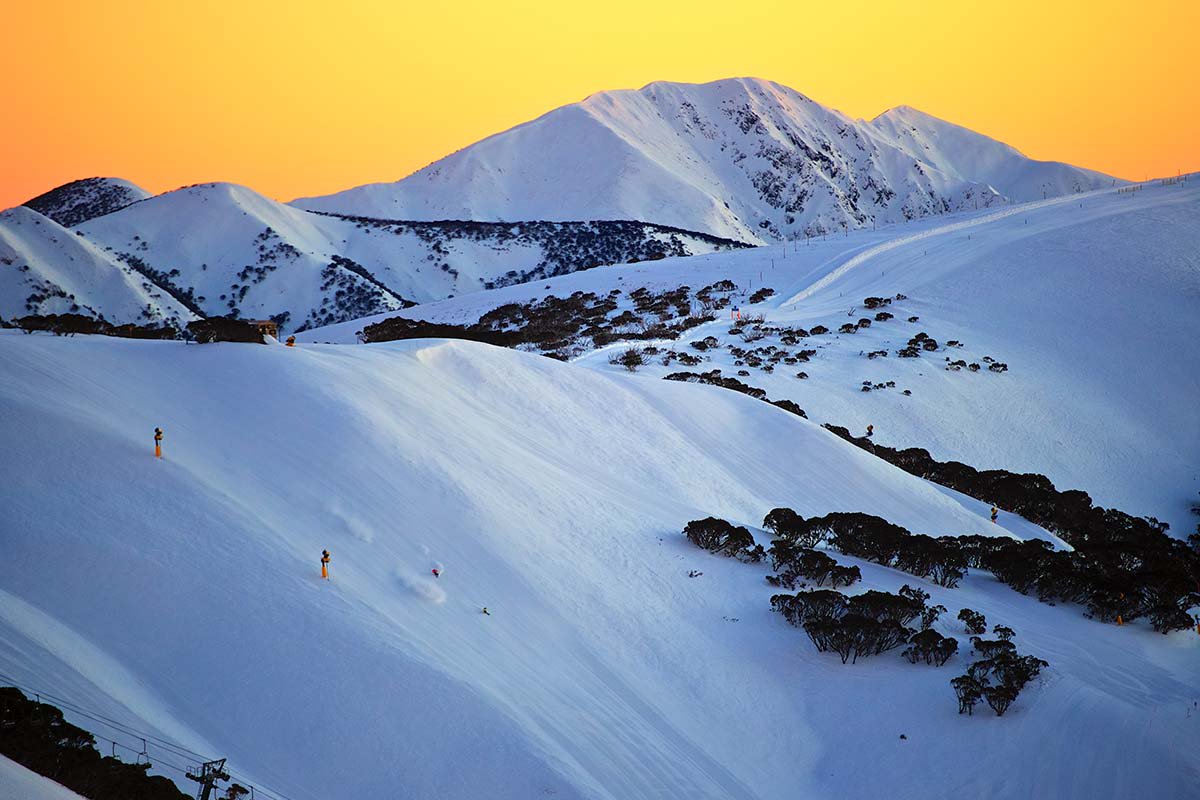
column 48, row 269
column 79, row 201
column 741, row 158
column 217, row 249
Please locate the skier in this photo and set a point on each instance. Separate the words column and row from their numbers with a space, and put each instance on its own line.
column 437, row 573
column 325, row 564
column 870, row 431
column 995, row 513
column 485, row 611
column 158, row 434
column 291, row 341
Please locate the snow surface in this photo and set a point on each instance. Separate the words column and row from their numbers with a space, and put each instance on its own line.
column 19, row 783
column 1091, row 300
column 742, row 158
column 182, row 596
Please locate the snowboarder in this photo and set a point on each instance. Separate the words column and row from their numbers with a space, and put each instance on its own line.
column 995, row 513
column 325, row 564
column 158, row 434
column 291, row 341
column 870, row 431
column 485, row 611
column 437, row 573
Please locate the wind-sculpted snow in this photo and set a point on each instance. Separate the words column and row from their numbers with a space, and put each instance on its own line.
column 742, row 158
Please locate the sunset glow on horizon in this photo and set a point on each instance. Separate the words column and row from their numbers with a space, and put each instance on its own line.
column 307, row 98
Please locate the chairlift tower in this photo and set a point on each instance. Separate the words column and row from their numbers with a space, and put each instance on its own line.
column 210, row 773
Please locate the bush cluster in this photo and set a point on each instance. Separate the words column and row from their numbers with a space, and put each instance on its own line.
column 874, row 539
column 71, row 324
column 997, row 678
column 719, row 536
column 853, row 627
column 1121, row 566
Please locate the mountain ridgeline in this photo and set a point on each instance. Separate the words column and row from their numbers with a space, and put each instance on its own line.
column 742, row 158
column 624, row 176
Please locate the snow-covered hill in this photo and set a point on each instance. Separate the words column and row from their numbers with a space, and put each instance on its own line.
column 1090, row 301
column 79, row 201
column 182, row 596
column 48, row 269
column 741, row 158
column 227, row 249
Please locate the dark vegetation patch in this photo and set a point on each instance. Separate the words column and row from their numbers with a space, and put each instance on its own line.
column 36, row 736
column 714, row 378
column 71, row 324
column 559, row 326
column 566, row 247
column 1122, row 567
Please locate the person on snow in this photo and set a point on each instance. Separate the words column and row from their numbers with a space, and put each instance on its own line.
column 995, row 513
column 485, row 611
column 158, row 434
column 437, row 573
column 870, row 431
column 291, row 341
column 325, row 564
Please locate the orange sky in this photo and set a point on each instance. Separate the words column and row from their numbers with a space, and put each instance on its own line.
column 307, row 97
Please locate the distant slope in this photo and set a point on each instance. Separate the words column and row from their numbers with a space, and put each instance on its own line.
column 972, row 156
column 48, row 269
column 227, row 249
column 79, row 201
column 192, row 607
column 741, row 158
column 1090, row 300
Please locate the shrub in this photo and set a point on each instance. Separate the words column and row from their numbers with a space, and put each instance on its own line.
column 931, row 647
column 720, row 536
column 631, row 359
column 973, row 620
column 793, row 563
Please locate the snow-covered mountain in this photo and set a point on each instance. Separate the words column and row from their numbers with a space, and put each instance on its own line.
column 741, row 158
column 79, row 201
column 227, row 249
column 48, row 269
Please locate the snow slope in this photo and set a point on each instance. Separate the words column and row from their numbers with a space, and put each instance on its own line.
column 182, row 596
column 18, row 783
column 229, row 249
column 48, row 269
column 742, row 158
column 79, row 201
column 1090, row 300
column 968, row 155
